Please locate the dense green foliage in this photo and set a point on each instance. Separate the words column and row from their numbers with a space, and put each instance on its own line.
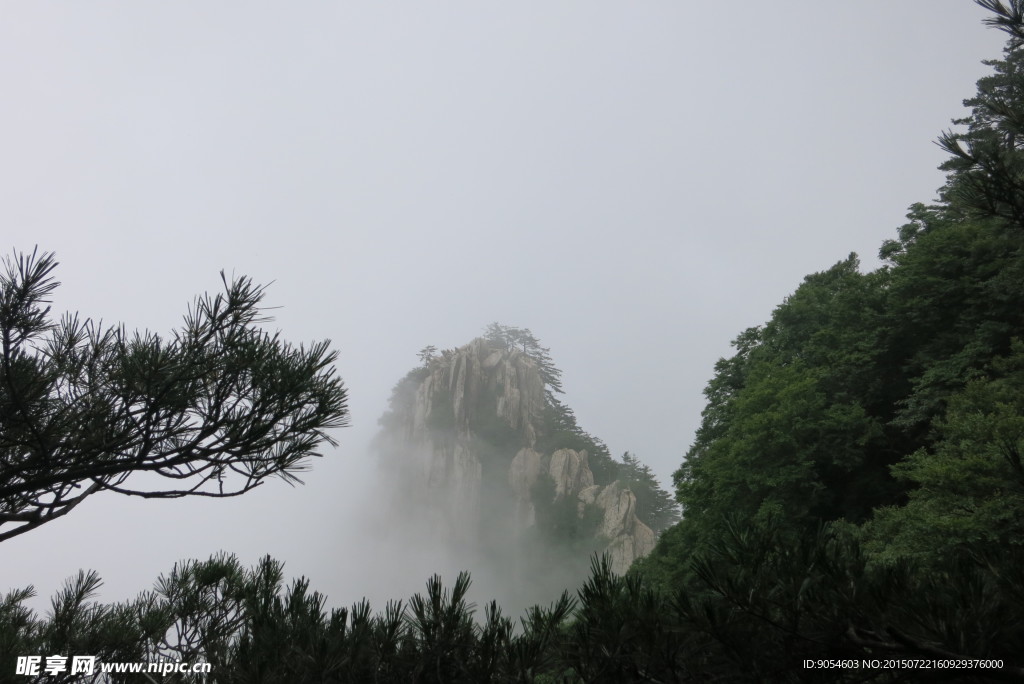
column 253, row 629
column 881, row 414
column 760, row 607
column 969, row 487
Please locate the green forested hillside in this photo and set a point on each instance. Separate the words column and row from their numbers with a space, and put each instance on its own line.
column 866, row 441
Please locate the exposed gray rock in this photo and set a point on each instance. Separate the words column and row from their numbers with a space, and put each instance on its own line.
column 623, row 550
column 523, row 472
column 619, row 506
column 472, row 386
column 570, row 471
column 628, row 538
column 522, row 476
column 589, row 495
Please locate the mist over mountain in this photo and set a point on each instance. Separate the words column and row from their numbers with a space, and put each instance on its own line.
column 480, row 458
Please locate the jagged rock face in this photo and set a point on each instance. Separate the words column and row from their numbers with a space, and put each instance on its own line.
column 459, row 379
column 445, row 413
column 571, row 473
column 475, row 415
column 522, row 476
column 629, row 538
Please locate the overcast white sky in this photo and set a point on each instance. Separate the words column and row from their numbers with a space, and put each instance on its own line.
column 637, row 182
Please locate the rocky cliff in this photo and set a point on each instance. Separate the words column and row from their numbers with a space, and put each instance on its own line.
column 624, row 536
column 475, row 437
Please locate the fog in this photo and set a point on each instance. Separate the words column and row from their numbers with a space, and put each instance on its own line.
column 636, row 183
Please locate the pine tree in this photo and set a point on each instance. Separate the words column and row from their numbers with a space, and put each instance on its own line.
column 214, row 410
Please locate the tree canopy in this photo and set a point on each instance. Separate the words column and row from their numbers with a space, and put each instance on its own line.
column 855, row 485
column 213, row 410
column 510, row 337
